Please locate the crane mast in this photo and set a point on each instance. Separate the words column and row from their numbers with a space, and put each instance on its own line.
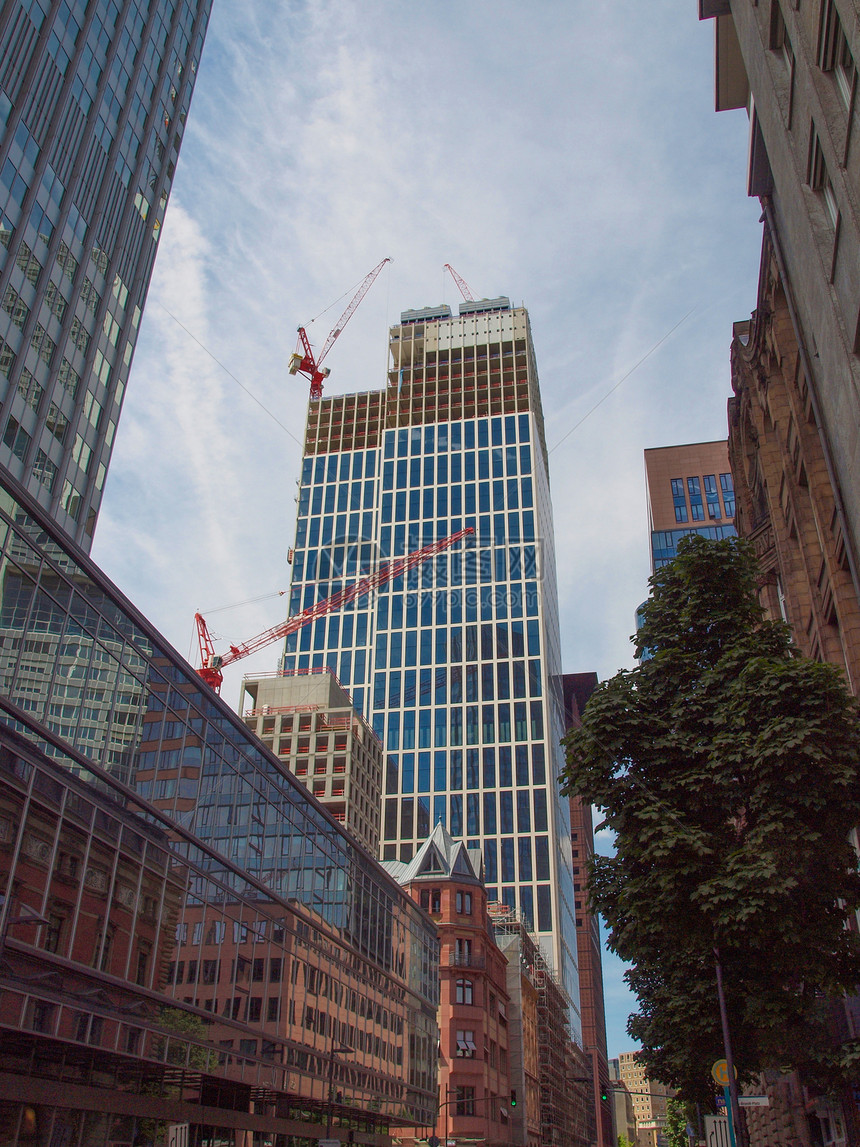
column 212, row 663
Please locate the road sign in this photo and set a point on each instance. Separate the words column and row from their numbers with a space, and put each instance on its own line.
column 716, row 1131
column 434, row 1141
column 720, row 1072
column 177, row 1134
column 753, row 1101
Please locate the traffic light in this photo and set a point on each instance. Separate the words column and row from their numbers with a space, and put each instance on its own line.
column 513, row 1097
column 604, row 1096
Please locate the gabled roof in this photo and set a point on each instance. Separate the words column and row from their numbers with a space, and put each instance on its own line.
column 440, row 857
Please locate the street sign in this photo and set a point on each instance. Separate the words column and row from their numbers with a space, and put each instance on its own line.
column 177, row 1135
column 753, row 1101
column 716, row 1131
column 720, row 1072
column 434, row 1141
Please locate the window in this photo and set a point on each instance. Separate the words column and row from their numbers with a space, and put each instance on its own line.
column 44, row 470
column 679, row 499
column 728, row 488
column 465, row 992
column 431, row 899
column 464, row 903
column 465, row 1045
column 16, row 438
column 53, row 932
column 779, row 40
column 463, row 952
column 712, row 496
column 465, row 1101
column 819, row 178
column 835, row 55
column 696, row 507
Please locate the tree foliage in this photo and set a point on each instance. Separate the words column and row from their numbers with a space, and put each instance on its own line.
column 728, row 767
column 677, row 1118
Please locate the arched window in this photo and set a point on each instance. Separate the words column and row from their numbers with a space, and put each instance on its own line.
column 465, row 991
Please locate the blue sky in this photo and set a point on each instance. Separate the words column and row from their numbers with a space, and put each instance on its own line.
column 565, row 153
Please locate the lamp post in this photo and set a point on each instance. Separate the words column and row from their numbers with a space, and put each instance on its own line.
column 333, row 1051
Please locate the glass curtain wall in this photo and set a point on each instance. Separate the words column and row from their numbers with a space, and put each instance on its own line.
column 455, row 663
column 88, row 681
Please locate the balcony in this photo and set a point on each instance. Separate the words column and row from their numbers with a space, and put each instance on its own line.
column 466, row 960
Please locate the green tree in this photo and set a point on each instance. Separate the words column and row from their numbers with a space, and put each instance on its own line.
column 623, row 1141
column 728, row 767
column 677, row 1117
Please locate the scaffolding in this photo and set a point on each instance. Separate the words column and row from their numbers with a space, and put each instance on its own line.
column 564, row 1068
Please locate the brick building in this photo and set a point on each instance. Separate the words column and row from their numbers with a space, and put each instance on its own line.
column 475, row 1087
column 794, row 420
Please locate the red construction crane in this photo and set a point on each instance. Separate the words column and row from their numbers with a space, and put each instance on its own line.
column 465, row 289
column 212, row 663
column 302, row 361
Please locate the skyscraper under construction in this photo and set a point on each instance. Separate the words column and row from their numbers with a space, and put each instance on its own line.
column 456, row 663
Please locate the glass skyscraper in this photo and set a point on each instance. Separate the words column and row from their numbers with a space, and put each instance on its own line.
column 456, row 663
column 93, row 101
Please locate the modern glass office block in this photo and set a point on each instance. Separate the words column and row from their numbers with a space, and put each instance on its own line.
column 88, row 682
column 93, row 102
column 455, row 663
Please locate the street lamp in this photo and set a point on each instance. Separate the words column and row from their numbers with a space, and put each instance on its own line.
column 333, row 1051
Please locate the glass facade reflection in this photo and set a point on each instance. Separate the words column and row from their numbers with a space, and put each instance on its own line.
column 456, row 662
column 93, row 102
column 233, row 894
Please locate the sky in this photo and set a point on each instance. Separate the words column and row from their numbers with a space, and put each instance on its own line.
column 564, row 153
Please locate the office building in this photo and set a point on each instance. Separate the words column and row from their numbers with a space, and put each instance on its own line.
column 475, row 1035
column 577, row 688
column 690, row 490
column 199, row 913
column 455, row 664
column 624, row 1117
column 93, row 102
column 309, row 721
column 649, row 1099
